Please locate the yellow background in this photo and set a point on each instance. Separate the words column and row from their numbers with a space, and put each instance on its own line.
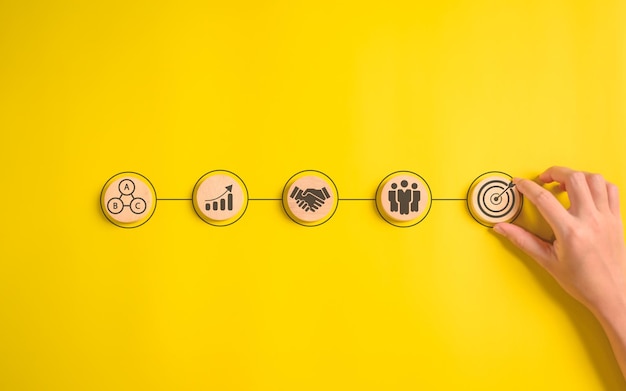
column 447, row 89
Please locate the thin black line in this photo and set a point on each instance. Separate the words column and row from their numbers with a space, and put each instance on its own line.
column 340, row 199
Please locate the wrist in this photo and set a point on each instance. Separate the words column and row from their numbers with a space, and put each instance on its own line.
column 611, row 312
column 612, row 317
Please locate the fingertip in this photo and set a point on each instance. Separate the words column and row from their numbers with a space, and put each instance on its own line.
column 517, row 180
column 613, row 198
column 500, row 229
column 545, row 177
column 553, row 174
column 521, row 184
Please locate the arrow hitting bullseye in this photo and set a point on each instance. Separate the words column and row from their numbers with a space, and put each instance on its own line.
column 510, row 186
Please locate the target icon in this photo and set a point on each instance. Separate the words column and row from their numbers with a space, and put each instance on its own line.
column 492, row 198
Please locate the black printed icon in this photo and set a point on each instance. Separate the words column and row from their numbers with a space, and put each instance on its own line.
column 220, row 198
column 404, row 200
column 222, row 202
column 493, row 198
column 496, row 198
column 126, row 199
column 310, row 200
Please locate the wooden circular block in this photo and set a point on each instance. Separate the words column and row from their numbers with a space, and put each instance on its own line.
column 493, row 199
column 128, row 199
column 220, row 197
column 403, row 198
column 310, row 198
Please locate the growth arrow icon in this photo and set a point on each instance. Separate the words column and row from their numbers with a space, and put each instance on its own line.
column 229, row 189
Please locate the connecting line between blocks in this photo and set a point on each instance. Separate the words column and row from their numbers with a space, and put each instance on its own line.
column 340, row 199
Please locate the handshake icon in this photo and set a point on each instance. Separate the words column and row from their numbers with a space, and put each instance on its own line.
column 310, row 200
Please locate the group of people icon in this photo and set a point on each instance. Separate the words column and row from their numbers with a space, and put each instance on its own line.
column 404, row 200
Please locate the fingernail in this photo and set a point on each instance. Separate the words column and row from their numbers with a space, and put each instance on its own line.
column 515, row 180
column 498, row 229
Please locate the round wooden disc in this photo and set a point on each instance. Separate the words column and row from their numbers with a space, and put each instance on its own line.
column 128, row 200
column 310, row 198
column 491, row 201
column 403, row 198
column 220, row 197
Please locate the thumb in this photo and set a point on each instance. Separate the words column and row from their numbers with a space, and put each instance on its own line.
column 537, row 248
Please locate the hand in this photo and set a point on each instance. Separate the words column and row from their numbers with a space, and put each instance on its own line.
column 588, row 255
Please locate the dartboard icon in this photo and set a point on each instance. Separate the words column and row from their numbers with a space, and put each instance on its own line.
column 493, row 199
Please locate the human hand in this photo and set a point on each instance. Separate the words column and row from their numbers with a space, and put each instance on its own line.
column 588, row 256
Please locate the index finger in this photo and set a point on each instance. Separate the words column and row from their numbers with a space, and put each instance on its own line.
column 549, row 207
column 575, row 183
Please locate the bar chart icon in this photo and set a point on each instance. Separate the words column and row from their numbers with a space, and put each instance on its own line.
column 220, row 197
column 222, row 202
